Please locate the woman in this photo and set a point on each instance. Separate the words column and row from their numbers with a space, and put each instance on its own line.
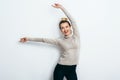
column 68, row 60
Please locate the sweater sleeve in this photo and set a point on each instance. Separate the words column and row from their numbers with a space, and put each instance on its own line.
column 73, row 23
column 44, row 40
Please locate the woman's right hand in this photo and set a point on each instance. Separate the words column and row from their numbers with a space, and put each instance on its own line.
column 24, row 39
column 57, row 5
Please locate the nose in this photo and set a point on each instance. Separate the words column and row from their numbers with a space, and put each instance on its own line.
column 65, row 29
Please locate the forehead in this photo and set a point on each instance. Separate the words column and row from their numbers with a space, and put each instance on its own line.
column 64, row 24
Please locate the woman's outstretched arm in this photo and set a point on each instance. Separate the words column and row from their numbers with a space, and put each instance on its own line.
column 44, row 40
column 73, row 23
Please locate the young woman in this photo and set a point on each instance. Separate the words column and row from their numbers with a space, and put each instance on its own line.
column 68, row 60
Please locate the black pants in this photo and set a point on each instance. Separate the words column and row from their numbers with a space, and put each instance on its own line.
column 69, row 71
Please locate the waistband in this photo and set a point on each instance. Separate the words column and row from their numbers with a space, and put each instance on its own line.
column 66, row 65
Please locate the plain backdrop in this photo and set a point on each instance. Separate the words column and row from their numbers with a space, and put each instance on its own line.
column 99, row 25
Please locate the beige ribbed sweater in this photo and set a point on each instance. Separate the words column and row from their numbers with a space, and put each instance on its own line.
column 70, row 45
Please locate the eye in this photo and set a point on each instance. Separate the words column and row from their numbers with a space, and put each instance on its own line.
column 66, row 26
column 62, row 27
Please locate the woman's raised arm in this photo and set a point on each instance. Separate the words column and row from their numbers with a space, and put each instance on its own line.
column 73, row 23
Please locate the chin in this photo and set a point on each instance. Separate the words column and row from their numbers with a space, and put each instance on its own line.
column 66, row 34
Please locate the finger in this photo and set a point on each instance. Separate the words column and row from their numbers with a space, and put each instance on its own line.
column 53, row 5
column 20, row 40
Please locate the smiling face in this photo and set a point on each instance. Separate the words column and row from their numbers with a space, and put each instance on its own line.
column 65, row 28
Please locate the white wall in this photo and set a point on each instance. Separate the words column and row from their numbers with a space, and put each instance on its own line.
column 99, row 26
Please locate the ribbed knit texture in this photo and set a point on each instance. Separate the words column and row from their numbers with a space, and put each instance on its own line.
column 70, row 45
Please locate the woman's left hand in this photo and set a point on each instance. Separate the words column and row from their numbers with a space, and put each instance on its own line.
column 57, row 5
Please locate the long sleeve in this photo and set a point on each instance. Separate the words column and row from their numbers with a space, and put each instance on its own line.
column 44, row 40
column 73, row 23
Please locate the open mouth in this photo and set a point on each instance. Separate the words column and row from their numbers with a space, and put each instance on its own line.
column 66, row 32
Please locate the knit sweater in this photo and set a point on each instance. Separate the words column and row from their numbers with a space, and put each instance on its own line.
column 70, row 45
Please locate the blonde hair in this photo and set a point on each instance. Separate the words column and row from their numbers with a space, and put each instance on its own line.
column 64, row 19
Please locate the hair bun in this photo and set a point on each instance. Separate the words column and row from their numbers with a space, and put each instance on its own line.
column 64, row 19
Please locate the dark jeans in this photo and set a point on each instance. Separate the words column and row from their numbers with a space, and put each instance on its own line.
column 69, row 71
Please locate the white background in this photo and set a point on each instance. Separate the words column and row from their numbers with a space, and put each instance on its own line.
column 99, row 26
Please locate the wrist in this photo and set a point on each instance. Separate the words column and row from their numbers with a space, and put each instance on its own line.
column 61, row 7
